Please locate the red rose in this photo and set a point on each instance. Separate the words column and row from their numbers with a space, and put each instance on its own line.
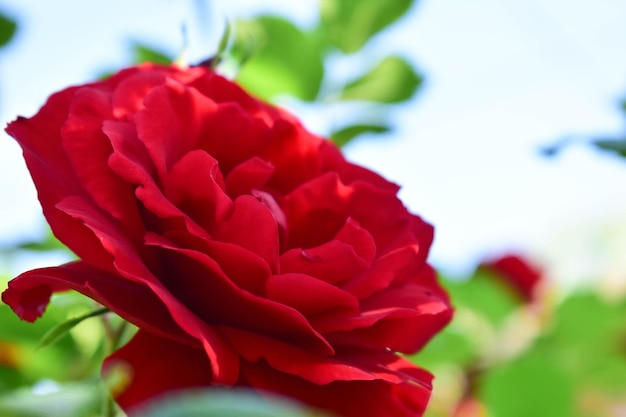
column 517, row 274
column 245, row 249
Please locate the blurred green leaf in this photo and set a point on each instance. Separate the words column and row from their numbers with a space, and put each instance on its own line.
column 15, row 330
column 219, row 403
column 533, row 385
column 349, row 24
column 587, row 322
column 590, row 336
column 452, row 346
column 48, row 243
column 343, row 136
column 72, row 400
column 145, row 53
column 279, row 58
column 484, row 294
column 10, row 375
column 66, row 359
column 7, row 29
column 62, row 329
column 392, row 80
column 617, row 146
column 223, row 44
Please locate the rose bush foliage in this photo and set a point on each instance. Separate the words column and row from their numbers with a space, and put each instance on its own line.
column 245, row 249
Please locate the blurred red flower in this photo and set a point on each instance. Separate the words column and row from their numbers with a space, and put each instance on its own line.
column 517, row 273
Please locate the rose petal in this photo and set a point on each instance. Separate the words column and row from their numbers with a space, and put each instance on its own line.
column 130, row 93
column 247, row 135
column 88, row 149
column 29, row 294
column 195, row 186
column 251, row 225
column 199, row 283
column 402, row 319
column 316, row 211
column 130, row 266
column 53, row 174
column 359, row 238
column 154, row 365
column 308, row 295
column 245, row 269
column 294, row 154
column 424, row 233
column 224, row 91
column 346, row 398
column 345, row 366
column 383, row 271
column 333, row 262
column 247, row 176
column 130, row 161
column 380, row 212
column 172, row 122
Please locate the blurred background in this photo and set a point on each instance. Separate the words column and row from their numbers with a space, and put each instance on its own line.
column 500, row 80
column 501, row 120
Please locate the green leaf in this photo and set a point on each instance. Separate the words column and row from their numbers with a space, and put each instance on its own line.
column 485, row 295
column 223, row 44
column 534, row 385
column 393, row 80
column 10, row 376
column 72, row 400
column 48, row 243
column 343, row 136
column 7, row 29
column 144, row 53
column 617, row 146
column 15, row 330
column 214, row 402
column 278, row 58
column 452, row 346
column 65, row 360
column 587, row 322
column 62, row 329
column 590, row 335
column 349, row 24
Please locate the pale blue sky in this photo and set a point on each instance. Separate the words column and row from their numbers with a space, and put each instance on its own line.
column 503, row 78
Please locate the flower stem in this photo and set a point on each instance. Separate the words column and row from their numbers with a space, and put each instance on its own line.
column 113, row 337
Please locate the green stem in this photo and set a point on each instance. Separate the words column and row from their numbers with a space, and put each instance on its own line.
column 109, row 406
column 113, row 337
column 119, row 333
